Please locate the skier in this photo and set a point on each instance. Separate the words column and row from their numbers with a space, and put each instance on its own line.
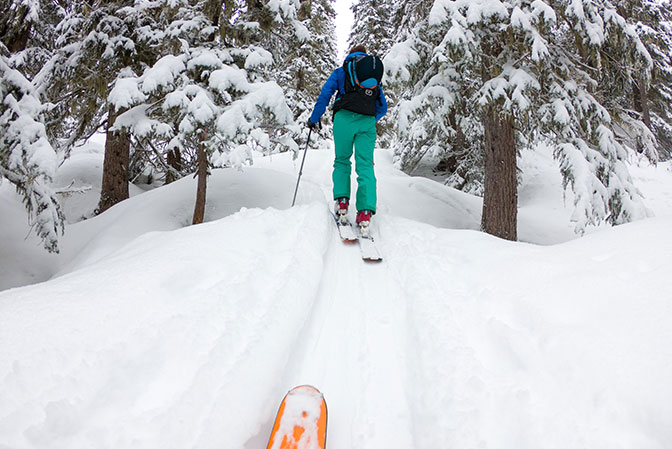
column 357, row 108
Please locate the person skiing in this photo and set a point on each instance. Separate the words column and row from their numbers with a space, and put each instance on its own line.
column 359, row 104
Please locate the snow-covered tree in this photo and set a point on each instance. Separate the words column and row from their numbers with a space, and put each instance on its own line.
column 651, row 97
column 499, row 76
column 408, row 62
column 27, row 158
column 623, row 78
column 303, row 61
column 96, row 47
column 208, row 96
column 372, row 26
column 18, row 19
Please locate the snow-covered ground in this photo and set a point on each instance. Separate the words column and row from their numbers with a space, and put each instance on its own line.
column 150, row 333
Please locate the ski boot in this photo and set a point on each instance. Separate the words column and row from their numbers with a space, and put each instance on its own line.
column 364, row 220
column 341, row 210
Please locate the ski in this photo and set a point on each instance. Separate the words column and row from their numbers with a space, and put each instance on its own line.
column 301, row 422
column 367, row 247
column 345, row 229
column 348, row 234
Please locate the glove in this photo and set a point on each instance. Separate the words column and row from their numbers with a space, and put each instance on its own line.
column 312, row 125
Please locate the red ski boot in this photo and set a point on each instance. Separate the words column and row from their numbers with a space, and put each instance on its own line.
column 341, row 210
column 363, row 220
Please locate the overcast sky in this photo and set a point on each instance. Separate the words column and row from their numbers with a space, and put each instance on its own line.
column 343, row 24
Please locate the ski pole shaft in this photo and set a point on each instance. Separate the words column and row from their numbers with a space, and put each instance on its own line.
column 310, row 130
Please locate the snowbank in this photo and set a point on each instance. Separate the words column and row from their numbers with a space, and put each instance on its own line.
column 154, row 333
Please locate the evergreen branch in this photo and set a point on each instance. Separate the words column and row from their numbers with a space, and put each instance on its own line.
column 163, row 164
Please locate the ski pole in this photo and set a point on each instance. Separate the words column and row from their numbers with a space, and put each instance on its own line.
column 310, row 130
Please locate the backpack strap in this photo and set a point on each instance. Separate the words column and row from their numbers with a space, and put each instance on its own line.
column 351, row 72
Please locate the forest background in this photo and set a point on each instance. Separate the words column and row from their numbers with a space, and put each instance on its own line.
column 182, row 87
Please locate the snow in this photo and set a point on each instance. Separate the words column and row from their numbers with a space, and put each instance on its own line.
column 229, row 77
column 263, row 96
column 541, row 8
column 399, row 58
column 137, row 120
column 258, row 57
column 204, row 58
column 163, row 73
column 561, row 113
column 301, row 31
column 201, row 108
column 148, row 332
column 483, row 10
column 125, row 93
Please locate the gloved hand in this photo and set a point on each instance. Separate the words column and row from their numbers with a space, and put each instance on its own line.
column 312, row 125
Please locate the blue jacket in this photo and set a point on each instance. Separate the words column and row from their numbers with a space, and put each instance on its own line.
column 336, row 83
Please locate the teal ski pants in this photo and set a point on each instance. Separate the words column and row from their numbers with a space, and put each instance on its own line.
column 358, row 130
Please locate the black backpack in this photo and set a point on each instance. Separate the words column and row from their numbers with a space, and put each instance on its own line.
column 363, row 75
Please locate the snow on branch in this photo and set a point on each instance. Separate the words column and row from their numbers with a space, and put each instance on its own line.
column 399, row 60
column 27, row 159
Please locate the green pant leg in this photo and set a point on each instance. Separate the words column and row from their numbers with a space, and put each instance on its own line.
column 365, row 142
column 344, row 135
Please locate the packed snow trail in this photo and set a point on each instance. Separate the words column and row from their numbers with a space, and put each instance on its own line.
column 358, row 317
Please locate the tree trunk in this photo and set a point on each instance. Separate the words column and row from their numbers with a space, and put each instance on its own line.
column 450, row 162
column 174, row 160
column 500, row 199
column 305, row 10
column 641, row 101
column 15, row 31
column 20, row 40
column 115, row 165
column 202, row 173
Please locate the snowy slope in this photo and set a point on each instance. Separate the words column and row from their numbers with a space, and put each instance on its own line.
column 156, row 334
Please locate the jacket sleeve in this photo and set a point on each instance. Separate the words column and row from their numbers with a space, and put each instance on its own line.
column 381, row 106
column 330, row 86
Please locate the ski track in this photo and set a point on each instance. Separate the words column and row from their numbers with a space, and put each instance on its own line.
column 445, row 411
column 351, row 349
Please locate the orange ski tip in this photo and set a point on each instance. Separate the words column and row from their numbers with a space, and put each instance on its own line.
column 301, row 422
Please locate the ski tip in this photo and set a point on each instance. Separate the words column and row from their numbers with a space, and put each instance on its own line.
column 372, row 259
column 305, row 389
column 301, row 421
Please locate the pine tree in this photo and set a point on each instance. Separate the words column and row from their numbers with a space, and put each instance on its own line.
column 208, row 97
column 492, row 78
column 372, row 26
column 651, row 98
column 406, row 65
column 27, row 158
column 623, row 78
column 18, row 20
column 96, row 47
column 303, row 62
